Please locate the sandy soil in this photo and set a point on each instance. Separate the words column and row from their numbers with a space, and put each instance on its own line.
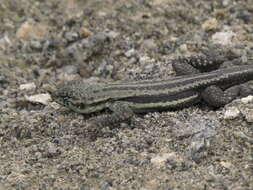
column 45, row 146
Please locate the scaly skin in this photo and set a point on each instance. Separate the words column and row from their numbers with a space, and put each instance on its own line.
column 216, row 88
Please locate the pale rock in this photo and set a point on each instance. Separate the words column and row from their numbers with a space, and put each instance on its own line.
column 27, row 86
column 227, row 165
column 55, row 105
column 232, row 113
column 4, row 42
column 183, row 48
column 149, row 44
column 130, row 53
column 210, row 24
column 31, row 30
column 223, row 38
column 247, row 99
column 159, row 160
column 39, row 98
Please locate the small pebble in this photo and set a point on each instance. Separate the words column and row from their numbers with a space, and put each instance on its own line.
column 39, row 98
column 210, row 24
column 31, row 30
column 52, row 149
column 28, row 86
column 54, row 105
column 183, row 48
column 85, row 32
column 130, row 53
column 225, row 2
column 4, row 42
column 223, row 38
column 36, row 45
column 69, row 69
column 227, row 165
column 232, row 113
column 159, row 160
column 149, row 44
column 71, row 36
column 247, row 100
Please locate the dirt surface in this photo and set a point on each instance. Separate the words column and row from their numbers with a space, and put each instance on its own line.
column 45, row 146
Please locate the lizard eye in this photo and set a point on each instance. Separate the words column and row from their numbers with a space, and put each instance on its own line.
column 65, row 100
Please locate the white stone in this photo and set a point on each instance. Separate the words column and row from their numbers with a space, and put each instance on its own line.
column 39, row 98
column 159, row 160
column 232, row 113
column 27, row 86
column 247, row 99
column 227, row 165
column 130, row 53
column 224, row 37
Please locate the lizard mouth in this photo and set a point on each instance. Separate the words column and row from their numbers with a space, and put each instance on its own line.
column 71, row 104
column 68, row 101
column 61, row 99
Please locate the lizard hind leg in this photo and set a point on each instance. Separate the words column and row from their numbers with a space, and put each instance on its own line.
column 216, row 97
column 197, row 64
column 183, row 68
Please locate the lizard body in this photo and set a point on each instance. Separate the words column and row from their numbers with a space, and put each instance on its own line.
column 216, row 88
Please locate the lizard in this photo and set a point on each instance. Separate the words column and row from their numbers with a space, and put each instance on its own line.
column 198, row 79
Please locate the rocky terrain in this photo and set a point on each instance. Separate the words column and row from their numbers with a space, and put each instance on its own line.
column 46, row 146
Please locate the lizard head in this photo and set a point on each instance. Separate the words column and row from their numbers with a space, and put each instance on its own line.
column 75, row 95
column 70, row 94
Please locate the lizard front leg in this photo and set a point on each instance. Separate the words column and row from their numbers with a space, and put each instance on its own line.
column 121, row 112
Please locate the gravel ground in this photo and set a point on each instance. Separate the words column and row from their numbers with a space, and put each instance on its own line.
column 45, row 146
